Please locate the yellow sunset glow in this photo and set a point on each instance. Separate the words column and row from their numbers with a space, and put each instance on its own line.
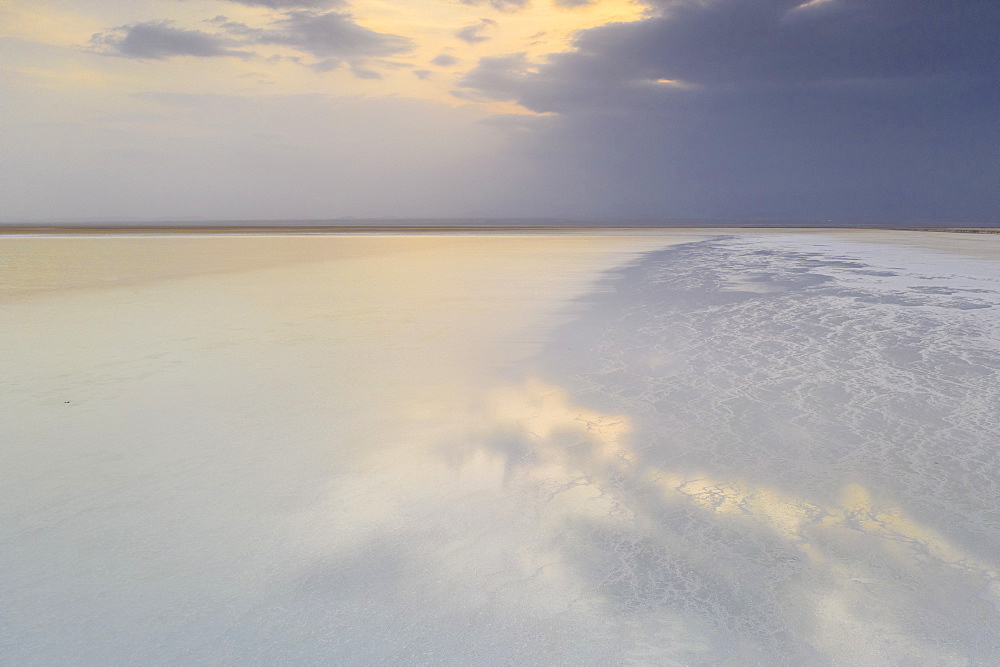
column 537, row 30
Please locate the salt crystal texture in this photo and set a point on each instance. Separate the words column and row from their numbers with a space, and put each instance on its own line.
column 699, row 448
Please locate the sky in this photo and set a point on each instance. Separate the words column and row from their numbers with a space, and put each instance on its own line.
column 842, row 110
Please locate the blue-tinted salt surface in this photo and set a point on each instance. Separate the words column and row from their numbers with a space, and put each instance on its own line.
column 747, row 449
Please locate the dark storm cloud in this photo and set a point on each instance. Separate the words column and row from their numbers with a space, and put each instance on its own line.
column 769, row 108
column 742, row 44
column 777, row 40
column 473, row 34
column 501, row 5
column 156, row 40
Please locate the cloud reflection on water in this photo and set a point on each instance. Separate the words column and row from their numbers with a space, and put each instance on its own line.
column 408, row 450
column 562, row 516
column 711, row 562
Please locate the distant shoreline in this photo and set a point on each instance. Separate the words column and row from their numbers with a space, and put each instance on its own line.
column 326, row 229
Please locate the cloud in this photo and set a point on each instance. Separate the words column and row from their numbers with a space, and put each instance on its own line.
column 473, row 34
column 423, row 74
column 334, row 38
column 500, row 5
column 444, row 60
column 770, row 108
column 331, row 37
column 157, row 40
column 363, row 72
column 728, row 44
column 572, row 4
column 292, row 4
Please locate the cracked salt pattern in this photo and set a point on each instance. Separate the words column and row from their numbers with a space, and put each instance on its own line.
column 813, row 470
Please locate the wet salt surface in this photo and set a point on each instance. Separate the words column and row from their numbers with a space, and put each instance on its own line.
column 811, row 472
column 745, row 449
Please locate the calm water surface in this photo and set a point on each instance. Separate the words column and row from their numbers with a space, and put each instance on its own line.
column 672, row 448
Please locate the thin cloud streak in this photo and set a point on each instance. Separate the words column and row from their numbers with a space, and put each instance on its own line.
column 292, row 4
column 475, row 33
column 331, row 35
column 499, row 5
column 333, row 38
column 157, row 40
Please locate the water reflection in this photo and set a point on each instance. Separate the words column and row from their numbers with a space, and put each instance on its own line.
column 796, row 511
column 741, row 451
column 571, row 520
column 589, row 455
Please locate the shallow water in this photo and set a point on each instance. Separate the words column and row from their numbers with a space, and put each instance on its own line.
column 811, row 450
column 743, row 449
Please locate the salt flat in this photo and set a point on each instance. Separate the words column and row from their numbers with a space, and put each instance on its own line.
column 699, row 447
